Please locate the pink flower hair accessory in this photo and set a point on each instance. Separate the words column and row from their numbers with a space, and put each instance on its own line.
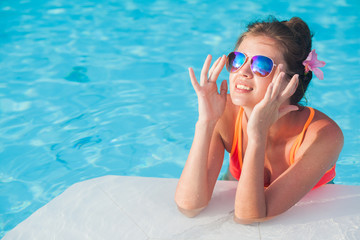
column 311, row 63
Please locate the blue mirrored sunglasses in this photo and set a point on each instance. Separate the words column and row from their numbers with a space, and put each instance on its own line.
column 260, row 65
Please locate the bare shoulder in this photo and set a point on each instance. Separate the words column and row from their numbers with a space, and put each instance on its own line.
column 323, row 126
column 324, row 135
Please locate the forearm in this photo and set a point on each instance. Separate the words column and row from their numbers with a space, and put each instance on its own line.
column 193, row 188
column 250, row 202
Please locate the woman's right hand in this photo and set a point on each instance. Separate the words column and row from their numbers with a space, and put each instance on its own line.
column 211, row 103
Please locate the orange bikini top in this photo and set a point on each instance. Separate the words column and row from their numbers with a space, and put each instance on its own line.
column 236, row 150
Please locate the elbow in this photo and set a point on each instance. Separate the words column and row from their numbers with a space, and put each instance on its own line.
column 190, row 213
column 189, row 209
column 249, row 219
column 243, row 220
column 246, row 221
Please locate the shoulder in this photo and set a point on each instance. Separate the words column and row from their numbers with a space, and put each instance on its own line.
column 323, row 137
column 325, row 127
column 320, row 148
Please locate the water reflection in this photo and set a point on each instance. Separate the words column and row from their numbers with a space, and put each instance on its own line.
column 78, row 74
column 93, row 88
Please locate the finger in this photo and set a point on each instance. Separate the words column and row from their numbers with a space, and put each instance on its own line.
column 193, row 79
column 277, row 85
column 278, row 81
column 269, row 91
column 204, row 70
column 223, row 88
column 290, row 88
column 278, row 70
column 213, row 67
column 218, row 69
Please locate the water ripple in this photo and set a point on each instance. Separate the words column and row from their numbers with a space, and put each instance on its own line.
column 92, row 88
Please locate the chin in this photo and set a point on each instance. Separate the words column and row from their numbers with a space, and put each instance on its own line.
column 240, row 100
column 237, row 102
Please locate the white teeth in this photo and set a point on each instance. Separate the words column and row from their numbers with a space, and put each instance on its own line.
column 239, row 86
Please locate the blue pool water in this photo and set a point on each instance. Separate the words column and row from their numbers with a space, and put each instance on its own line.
column 90, row 88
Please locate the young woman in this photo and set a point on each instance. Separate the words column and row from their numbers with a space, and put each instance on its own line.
column 278, row 149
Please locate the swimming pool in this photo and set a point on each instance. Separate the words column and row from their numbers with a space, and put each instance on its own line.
column 101, row 87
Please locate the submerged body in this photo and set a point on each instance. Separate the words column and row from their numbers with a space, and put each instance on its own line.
column 273, row 176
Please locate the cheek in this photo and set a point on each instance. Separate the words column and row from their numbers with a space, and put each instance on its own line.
column 231, row 81
column 263, row 83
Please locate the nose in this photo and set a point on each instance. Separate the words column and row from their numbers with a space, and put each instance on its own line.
column 245, row 69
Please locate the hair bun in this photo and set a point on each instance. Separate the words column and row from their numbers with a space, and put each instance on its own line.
column 302, row 34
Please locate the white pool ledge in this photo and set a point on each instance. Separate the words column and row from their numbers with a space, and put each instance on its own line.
column 137, row 208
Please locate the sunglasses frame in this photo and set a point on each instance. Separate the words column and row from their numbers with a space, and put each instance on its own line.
column 246, row 58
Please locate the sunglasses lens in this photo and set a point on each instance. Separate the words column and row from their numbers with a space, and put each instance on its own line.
column 261, row 65
column 234, row 61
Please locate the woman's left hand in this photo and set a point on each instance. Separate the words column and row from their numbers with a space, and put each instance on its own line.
column 272, row 107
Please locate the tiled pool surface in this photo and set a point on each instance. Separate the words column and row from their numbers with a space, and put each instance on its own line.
column 118, row 207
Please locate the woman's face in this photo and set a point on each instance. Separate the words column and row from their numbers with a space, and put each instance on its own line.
column 246, row 88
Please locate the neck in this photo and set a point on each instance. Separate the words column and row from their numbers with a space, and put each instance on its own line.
column 280, row 129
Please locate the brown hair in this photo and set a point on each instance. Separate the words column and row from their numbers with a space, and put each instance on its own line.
column 294, row 37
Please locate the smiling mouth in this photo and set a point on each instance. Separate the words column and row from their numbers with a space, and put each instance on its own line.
column 243, row 87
